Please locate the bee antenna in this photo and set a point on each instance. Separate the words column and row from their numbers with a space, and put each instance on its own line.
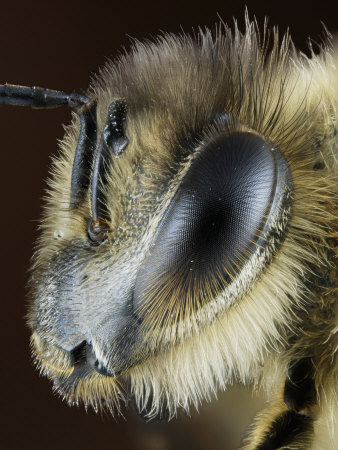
column 84, row 154
column 112, row 139
column 41, row 98
column 37, row 97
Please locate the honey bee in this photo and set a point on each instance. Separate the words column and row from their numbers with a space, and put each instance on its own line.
column 189, row 233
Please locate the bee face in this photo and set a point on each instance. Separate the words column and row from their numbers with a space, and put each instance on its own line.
column 186, row 226
column 192, row 255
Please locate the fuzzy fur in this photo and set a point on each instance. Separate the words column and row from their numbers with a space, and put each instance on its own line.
column 173, row 88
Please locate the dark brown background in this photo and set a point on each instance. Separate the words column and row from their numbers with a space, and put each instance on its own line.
column 59, row 45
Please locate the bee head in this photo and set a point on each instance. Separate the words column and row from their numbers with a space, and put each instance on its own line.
column 164, row 264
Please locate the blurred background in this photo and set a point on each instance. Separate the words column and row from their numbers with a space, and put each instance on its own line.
column 60, row 45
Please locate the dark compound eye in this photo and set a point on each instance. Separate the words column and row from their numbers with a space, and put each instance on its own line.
column 215, row 221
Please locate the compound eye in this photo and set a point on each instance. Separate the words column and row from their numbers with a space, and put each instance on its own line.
column 214, row 222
